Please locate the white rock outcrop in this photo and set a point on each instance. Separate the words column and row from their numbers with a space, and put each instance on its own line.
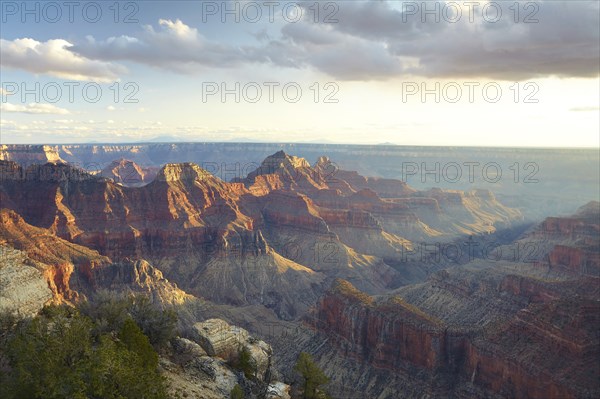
column 219, row 338
column 23, row 288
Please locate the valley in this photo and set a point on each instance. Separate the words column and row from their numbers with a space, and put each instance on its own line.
column 396, row 290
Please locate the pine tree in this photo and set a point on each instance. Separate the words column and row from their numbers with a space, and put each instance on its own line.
column 134, row 339
column 312, row 374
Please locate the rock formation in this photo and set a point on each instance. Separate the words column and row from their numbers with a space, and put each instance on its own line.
column 321, row 251
column 220, row 339
column 71, row 270
column 23, row 288
column 30, row 154
column 204, row 367
column 127, row 173
column 490, row 328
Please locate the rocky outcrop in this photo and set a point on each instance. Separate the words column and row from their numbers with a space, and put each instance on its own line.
column 55, row 258
column 583, row 226
column 23, row 288
column 220, row 339
column 490, row 328
column 293, row 210
column 206, row 367
column 383, row 334
column 568, row 244
column 279, row 390
column 576, row 260
column 349, row 218
column 134, row 276
column 546, row 351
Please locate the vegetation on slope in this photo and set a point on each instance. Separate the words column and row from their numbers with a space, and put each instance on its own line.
column 102, row 351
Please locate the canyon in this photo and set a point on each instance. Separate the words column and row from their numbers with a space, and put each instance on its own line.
column 501, row 328
column 356, row 270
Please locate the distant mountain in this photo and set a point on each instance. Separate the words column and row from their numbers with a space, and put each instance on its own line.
column 163, row 139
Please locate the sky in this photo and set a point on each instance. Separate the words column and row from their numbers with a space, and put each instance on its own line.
column 464, row 73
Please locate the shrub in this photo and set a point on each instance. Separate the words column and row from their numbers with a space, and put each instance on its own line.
column 237, row 392
column 245, row 363
column 110, row 311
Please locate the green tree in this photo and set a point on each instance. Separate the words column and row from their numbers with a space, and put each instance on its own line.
column 134, row 339
column 237, row 392
column 122, row 373
column 55, row 355
column 313, row 376
column 50, row 357
column 245, row 362
column 157, row 324
column 107, row 310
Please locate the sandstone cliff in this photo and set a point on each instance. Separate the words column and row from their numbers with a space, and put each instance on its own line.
column 30, row 154
column 72, row 271
column 502, row 326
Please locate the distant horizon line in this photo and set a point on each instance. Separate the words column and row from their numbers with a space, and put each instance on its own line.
column 304, row 143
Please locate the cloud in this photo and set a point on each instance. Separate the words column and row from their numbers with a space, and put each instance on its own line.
column 564, row 42
column 34, row 108
column 173, row 45
column 178, row 47
column 376, row 40
column 54, row 58
column 331, row 52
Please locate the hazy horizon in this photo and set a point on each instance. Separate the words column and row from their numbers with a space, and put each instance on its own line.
column 296, row 142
